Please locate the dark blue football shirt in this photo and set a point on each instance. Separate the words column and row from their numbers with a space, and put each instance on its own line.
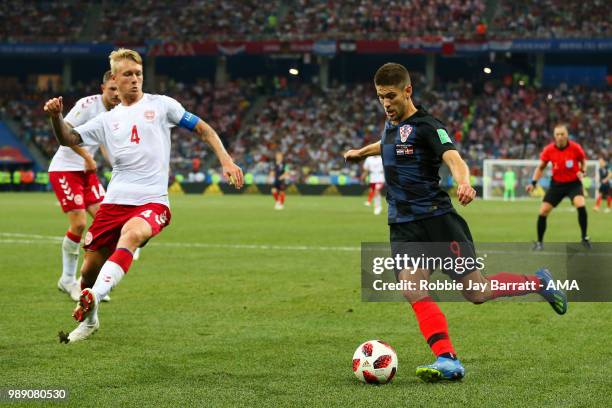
column 412, row 155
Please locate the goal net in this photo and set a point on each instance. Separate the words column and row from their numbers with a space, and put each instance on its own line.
column 500, row 175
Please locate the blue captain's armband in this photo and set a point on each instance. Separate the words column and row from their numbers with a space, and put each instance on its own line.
column 188, row 121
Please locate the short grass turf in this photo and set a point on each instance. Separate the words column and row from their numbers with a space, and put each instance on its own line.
column 236, row 304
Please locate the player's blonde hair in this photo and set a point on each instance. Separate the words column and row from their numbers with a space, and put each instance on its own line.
column 123, row 54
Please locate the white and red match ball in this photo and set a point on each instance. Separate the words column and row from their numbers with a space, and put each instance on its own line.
column 375, row 362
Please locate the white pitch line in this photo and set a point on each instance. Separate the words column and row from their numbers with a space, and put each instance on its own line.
column 18, row 238
column 42, row 239
column 32, row 236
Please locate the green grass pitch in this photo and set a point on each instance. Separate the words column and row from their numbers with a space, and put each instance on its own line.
column 236, row 304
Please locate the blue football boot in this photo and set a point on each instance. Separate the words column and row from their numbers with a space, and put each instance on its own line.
column 442, row 369
column 557, row 298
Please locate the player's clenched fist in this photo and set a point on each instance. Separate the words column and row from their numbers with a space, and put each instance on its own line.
column 465, row 194
column 54, row 106
column 352, row 156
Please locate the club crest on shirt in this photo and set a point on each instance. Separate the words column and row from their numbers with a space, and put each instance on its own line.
column 149, row 115
column 405, row 132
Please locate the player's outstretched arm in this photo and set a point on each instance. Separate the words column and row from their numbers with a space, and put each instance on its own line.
column 63, row 132
column 356, row 155
column 461, row 175
column 537, row 174
column 230, row 169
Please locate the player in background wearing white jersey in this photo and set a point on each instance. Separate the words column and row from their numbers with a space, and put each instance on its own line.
column 373, row 167
column 136, row 135
column 72, row 173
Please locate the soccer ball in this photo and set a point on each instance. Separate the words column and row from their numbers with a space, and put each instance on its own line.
column 375, row 362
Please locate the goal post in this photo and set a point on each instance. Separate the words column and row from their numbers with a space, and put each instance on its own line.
column 507, row 179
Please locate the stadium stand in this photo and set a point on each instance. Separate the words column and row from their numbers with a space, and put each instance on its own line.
column 313, row 126
column 189, row 21
column 18, row 22
column 382, row 19
column 146, row 22
column 552, row 19
column 222, row 107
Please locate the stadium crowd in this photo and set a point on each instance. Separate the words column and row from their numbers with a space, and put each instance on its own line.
column 313, row 126
column 41, row 21
column 145, row 22
column 369, row 19
column 189, row 21
column 222, row 107
column 552, row 19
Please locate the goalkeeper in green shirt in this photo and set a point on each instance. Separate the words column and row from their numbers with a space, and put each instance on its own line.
column 509, row 184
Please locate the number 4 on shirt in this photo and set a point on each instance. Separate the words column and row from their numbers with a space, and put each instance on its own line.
column 134, row 138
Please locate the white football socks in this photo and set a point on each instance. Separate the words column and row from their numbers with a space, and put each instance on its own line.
column 110, row 275
column 70, row 259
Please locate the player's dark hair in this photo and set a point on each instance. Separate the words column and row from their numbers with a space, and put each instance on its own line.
column 392, row 74
column 107, row 76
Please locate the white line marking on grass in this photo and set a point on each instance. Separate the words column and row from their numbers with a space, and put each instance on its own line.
column 40, row 239
column 18, row 238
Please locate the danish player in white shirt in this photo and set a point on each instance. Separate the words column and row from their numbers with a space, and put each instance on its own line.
column 72, row 173
column 373, row 167
column 136, row 135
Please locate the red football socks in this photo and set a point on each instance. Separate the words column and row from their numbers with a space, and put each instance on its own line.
column 122, row 257
column 371, row 195
column 433, row 326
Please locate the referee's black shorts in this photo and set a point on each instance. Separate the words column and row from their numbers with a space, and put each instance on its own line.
column 558, row 191
column 442, row 236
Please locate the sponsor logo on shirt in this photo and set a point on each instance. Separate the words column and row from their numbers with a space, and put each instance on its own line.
column 569, row 164
column 403, row 150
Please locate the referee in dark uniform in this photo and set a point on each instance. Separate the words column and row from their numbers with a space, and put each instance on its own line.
column 413, row 146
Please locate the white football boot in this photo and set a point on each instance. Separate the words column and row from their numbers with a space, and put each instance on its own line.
column 82, row 332
column 72, row 289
